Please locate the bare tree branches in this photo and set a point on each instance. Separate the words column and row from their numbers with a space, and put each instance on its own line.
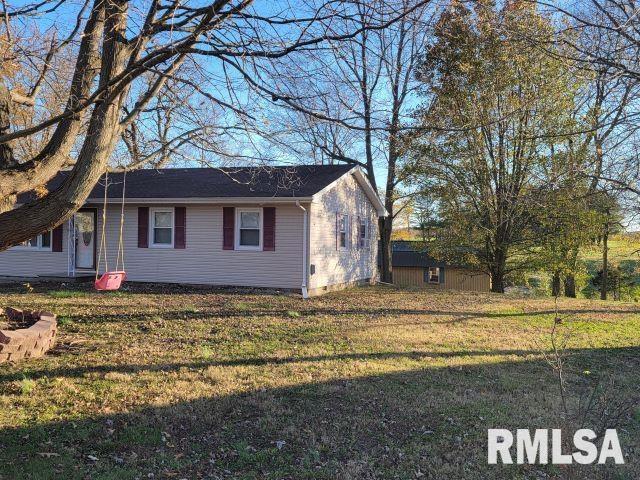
column 136, row 52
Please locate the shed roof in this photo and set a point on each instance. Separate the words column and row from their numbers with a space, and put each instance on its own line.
column 408, row 253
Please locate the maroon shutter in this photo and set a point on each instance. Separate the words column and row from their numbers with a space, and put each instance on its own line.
column 56, row 239
column 143, row 227
column 269, row 228
column 180, row 228
column 228, row 227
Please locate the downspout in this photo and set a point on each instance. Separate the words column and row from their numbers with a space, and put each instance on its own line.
column 305, row 270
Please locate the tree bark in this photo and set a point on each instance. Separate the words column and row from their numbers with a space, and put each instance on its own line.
column 555, row 284
column 570, row 286
column 386, row 269
column 14, row 178
column 605, row 261
column 570, row 279
column 102, row 135
column 7, row 159
column 497, row 280
column 498, row 270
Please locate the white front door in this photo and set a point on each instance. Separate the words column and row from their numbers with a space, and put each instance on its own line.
column 85, row 239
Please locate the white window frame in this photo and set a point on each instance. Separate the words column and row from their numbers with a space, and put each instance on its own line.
column 152, row 222
column 437, row 269
column 239, row 211
column 363, row 226
column 38, row 247
column 347, row 231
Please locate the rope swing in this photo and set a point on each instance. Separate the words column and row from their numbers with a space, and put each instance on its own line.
column 111, row 280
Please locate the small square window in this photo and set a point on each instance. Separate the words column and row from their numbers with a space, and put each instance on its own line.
column 432, row 275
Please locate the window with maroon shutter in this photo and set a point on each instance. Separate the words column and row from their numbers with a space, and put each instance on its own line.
column 180, row 228
column 228, row 227
column 56, row 239
column 143, row 227
column 269, row 228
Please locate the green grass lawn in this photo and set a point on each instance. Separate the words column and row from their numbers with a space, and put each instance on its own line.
column 624, row 246
column 367, row 383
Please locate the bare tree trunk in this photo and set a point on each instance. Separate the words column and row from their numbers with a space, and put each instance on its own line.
column 386, row 270
column 102, row 134
column 6, row 154
column 54, row 155
column 605, row 261
column 570, row 286
column 570, row 279
column 555, row 284
column 497, row 280
column 386, row 223
column 498, row 270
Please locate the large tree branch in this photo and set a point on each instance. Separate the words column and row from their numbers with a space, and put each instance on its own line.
column 55, row 154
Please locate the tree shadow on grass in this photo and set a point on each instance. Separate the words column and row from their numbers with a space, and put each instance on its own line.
column 430, row 422
column 431, row 316
column 579, row 355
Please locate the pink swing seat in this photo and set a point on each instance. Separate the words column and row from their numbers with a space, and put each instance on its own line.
column 110, row 280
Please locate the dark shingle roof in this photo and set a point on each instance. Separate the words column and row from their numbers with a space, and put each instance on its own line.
column 408, row 253
column 290, row 181
column 414, row 259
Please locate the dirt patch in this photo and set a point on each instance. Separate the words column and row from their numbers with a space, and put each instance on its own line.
column 15, row 323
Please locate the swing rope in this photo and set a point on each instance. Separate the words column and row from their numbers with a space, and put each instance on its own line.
column 120, row 256
column 103, row 235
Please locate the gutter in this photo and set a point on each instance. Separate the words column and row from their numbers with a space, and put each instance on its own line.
column 305, row 270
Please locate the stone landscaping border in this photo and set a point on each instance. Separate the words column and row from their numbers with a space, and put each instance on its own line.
column 29, row 342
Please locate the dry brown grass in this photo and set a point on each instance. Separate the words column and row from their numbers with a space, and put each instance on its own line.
column 366, row 383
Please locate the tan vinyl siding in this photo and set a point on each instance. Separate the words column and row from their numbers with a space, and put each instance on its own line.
column 454, row 279
column 335, row 266
column 18, row 262
column 203, row 261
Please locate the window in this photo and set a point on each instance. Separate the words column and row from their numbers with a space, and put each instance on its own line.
column 45, row 241
column 432, row 275
column 343, row 229
column 249, row 234
column 363, row 233
column 162, row 227
column 41, row 242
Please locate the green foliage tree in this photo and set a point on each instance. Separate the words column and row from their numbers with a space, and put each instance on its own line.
column 567, row 223
column 610, row 222
column 491, row 103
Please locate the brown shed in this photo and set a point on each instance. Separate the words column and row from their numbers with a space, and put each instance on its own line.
column 413, row 267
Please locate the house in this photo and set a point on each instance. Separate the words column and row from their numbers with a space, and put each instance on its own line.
column 306, row 228
column 413, row 267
